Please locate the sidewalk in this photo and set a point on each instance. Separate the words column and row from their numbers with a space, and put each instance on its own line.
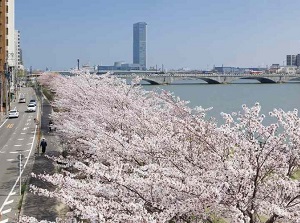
column 43, row 208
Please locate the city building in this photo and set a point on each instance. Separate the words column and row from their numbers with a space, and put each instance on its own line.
column 3, row 56
column 11, row 50
column 18, row 52
column 237, row 70
column 298, row 60
column 7, row 54
column 140, row 44
column 291, row 60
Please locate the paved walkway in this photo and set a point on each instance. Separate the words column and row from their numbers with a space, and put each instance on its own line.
column 34, row 205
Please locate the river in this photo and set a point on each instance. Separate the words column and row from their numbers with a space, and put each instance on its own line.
column 230, row 97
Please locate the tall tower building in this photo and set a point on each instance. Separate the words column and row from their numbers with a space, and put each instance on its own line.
column 140, row 44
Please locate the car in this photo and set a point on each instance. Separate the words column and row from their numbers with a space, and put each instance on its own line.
column 32, row 101
column 13, row 113
column 31, row 107
column 22, row 100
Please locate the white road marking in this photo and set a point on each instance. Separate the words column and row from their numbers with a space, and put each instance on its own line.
column 18, row 145
column 25, row 128
column 13, row 152
column 13, row 193
column 20, row 139
column 23, row 133
column 8, row 202
column 3, row 123
column 6, row 211
column 9, row 160
column 29, row 144
column 18, row 179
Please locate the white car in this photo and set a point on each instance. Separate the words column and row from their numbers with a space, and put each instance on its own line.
column 32, row 101
column 13, row 113
column 31, row 107
column 22, row 100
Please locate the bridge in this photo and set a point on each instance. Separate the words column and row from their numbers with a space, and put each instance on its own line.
column 156, row 78
column 213, row 78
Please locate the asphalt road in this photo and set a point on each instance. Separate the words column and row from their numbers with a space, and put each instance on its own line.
column 17, row 138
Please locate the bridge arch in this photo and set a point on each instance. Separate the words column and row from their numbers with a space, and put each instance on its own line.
column 151, row 81
column 294, row 79
column 262, row 80
column 209, row 80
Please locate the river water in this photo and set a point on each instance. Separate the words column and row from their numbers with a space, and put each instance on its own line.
column 230, row 97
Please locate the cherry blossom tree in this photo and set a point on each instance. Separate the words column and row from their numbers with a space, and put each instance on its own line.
column 137, row 156
column 259, row 166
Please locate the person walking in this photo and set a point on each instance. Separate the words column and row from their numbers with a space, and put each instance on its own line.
column 43, row 145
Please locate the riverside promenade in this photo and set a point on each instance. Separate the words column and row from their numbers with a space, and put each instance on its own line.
column 43, row 208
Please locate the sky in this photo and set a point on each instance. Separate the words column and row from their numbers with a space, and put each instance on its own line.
column 194, row 34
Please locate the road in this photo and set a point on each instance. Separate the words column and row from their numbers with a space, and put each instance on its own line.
column 17, row 138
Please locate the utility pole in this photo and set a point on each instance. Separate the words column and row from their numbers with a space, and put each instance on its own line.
column 6, row 88
column 77, row 64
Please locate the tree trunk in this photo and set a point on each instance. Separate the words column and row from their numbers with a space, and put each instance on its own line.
column 272, row 219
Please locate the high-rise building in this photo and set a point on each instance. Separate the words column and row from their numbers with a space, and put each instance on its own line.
column 3, row 53
column 140, row 44
column 18, row 51
column 7, row 52
column 291, row 60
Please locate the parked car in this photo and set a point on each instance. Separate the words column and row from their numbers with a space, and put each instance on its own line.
column 13, row 113
column 31, row 107
column 32, row 101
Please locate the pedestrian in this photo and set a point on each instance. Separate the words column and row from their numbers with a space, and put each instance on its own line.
column 50, row 125
column 43, row 145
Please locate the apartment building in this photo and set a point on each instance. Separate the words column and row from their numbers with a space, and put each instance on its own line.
column 3, row 43
column 7, row 53
column 18, row 52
